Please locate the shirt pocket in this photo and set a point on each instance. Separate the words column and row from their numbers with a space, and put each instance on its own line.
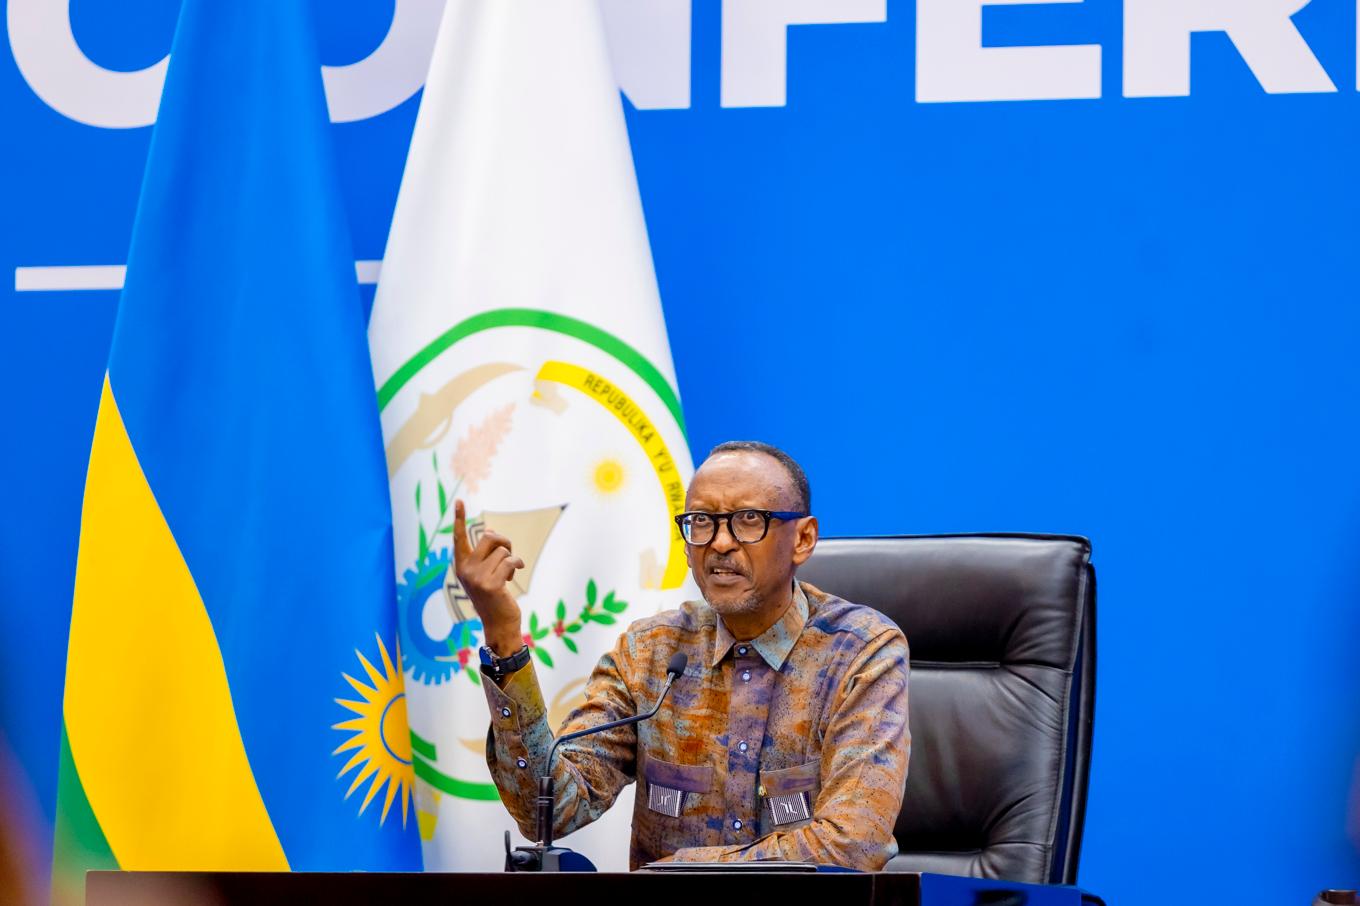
column 665, row 779
column 684, row 798
column 788, row 786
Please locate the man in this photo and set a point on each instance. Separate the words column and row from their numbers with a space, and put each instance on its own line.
column 786, row 737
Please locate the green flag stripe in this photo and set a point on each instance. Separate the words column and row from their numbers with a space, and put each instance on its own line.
column 79, row 844
column 422, row 746
column 547, row 320
column 452, row 785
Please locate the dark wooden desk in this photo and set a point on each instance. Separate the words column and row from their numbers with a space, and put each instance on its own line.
column 115, row 888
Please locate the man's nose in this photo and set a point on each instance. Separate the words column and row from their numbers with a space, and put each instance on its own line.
column 722, row 537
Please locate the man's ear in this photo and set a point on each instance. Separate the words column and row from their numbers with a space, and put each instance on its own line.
column 805, row 540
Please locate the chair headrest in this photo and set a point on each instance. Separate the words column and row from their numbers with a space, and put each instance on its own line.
column 965, row 598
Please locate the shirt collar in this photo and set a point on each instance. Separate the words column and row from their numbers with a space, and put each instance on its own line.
column 775, row 643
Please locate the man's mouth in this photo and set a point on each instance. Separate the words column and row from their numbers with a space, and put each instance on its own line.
column 725, row 572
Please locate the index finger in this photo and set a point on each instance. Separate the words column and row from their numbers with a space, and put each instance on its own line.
column 462, row 548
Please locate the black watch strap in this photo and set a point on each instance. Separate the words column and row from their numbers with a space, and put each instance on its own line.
column 500, row 667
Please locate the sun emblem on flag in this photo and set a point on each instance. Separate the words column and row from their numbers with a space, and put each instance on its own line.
column 608, row 476
column 379, row 735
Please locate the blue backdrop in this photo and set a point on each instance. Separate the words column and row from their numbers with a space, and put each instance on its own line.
column 1130, row 317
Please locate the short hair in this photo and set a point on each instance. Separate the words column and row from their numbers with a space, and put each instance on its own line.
column 795, row 471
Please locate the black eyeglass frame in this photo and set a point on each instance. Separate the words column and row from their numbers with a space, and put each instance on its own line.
column 784, row 515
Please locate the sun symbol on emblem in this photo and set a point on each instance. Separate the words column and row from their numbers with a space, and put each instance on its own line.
column 379, row 734
column 609, row 476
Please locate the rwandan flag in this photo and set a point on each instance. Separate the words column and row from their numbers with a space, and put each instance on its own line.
column 233, row 692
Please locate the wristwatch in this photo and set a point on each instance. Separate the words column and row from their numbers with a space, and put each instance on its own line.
column 498, row 668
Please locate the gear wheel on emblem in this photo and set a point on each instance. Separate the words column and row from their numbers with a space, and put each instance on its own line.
column 428, row 659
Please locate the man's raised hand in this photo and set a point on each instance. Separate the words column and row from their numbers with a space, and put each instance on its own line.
column 484, row 571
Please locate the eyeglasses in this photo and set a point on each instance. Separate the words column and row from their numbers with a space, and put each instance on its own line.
column 746, row 526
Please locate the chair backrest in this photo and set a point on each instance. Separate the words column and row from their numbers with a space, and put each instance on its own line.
column 1002, row 636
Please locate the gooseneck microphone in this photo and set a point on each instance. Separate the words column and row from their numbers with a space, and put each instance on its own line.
column 543, row 856
column 547, row 797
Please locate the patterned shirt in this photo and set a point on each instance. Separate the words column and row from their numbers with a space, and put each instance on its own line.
column 792, row 746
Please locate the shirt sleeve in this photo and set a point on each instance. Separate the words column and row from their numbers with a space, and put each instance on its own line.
column 587, row 774
column 863, row 770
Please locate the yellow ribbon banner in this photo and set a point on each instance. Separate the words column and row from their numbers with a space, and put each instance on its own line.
column 644, row 431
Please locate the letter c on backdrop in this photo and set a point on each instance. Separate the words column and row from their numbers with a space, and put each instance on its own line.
column 50, row 60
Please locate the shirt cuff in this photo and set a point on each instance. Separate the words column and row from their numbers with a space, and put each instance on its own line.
column 519, row 724
column 520, row 693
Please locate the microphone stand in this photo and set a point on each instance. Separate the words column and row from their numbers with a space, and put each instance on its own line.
column 543, row 856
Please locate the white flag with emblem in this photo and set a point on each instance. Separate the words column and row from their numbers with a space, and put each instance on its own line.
column 522, row 365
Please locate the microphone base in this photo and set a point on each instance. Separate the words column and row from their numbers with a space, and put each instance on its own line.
column 547, row 859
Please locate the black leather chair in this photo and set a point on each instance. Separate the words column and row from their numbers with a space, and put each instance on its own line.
column 1002, row 636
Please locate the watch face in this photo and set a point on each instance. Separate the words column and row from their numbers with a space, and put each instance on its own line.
column 488, row 658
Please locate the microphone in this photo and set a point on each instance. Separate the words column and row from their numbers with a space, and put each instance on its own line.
column 674, row 667
column 543, row 856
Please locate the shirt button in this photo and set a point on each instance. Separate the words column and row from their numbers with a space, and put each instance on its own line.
column 742, row 650
column 505, row 712
column 736, row 824
column 742, row 746
column 520, row 762
column 745, row 676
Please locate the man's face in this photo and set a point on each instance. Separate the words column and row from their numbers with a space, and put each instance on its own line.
column 742, row 579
